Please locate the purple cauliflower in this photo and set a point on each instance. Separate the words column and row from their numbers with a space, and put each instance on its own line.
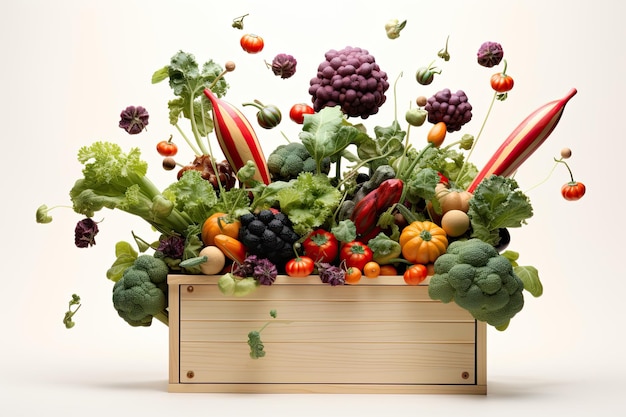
column 451, row 108
column 351, row 79
column 490, row 54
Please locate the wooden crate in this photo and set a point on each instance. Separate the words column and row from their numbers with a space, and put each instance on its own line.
column 380, row 336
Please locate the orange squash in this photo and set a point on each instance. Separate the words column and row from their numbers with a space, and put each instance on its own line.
column 232, row 248
column 219, row 223
column 423, row 242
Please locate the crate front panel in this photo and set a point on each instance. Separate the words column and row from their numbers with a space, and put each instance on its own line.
column 361, row 334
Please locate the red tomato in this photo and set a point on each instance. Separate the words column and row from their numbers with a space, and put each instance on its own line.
column 501, row 82
column 167, row 148
column 573, row 191
column 321, row 245
column 299, row 267
column 251, row 43
column 298, row 111
column 415, row 274
column 356, row 254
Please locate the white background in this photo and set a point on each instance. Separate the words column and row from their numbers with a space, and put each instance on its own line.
column 70, row 67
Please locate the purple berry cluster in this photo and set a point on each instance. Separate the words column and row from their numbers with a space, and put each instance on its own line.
column 351, row 79
column 451, row 108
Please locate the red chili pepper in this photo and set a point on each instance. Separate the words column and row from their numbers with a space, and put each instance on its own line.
column 367, row 211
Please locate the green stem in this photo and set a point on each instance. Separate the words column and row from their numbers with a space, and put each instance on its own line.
column 395, row 98
column 546, row 179
column 163, row 317
column 194, row 128
column 213, row 164
column 191, row 145
column 482, row 127
column 406, row 172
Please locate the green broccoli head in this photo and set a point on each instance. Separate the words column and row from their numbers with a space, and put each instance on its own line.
column 141, row 293
column 475, row 276
column 286, row 162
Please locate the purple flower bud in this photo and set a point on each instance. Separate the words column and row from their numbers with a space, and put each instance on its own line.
column 265, row 272
column 85, row 233
column 490, row 54
column 331, row 274
column 172, row 247
column 134, row 119
column 284, row 65
column 246, row 268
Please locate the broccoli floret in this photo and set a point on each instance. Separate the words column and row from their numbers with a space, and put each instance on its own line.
column 141, row 293
column 475, row 276
column 287, row 161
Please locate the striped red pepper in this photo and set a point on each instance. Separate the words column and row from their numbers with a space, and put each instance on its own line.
column 237, row 138
column 524, row 140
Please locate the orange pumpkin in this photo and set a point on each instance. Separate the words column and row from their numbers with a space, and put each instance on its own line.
column 423, row 242
column 219, row 223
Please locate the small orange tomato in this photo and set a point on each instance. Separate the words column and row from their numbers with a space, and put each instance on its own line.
column 251, row 43
column 437, row 134
column 386, row 270
column 353, row 275
column 371, row 269
column 415, row 274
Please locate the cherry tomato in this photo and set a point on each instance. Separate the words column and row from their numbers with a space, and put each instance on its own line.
column 573, row 190
column 388, row 270
column 356, row 254
column 298, row 111
column 415, row 274
column 371, row 269
column 251, row 43
column 321, row 245
column 167, row 148
column 501, row 83
column 299, row 267
column 353, row 275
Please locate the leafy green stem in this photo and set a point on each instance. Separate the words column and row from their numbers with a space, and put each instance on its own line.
column 193, row 147
column 482, row 127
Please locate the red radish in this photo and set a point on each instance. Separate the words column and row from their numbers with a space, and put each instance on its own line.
column 237, row 137
column 524, row 140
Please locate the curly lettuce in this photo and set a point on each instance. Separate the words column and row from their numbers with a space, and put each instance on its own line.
column 115, row 179
column 497, row 203
column 309, row 202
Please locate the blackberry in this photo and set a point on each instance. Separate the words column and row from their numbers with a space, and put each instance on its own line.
column 269, row 235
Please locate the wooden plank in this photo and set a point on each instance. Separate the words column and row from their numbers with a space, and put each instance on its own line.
column 314, row 292
column 174, row 332
column 440, row 389
column 329, row 363
column 322, row 310
column 285, row 280
column 336, row 331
